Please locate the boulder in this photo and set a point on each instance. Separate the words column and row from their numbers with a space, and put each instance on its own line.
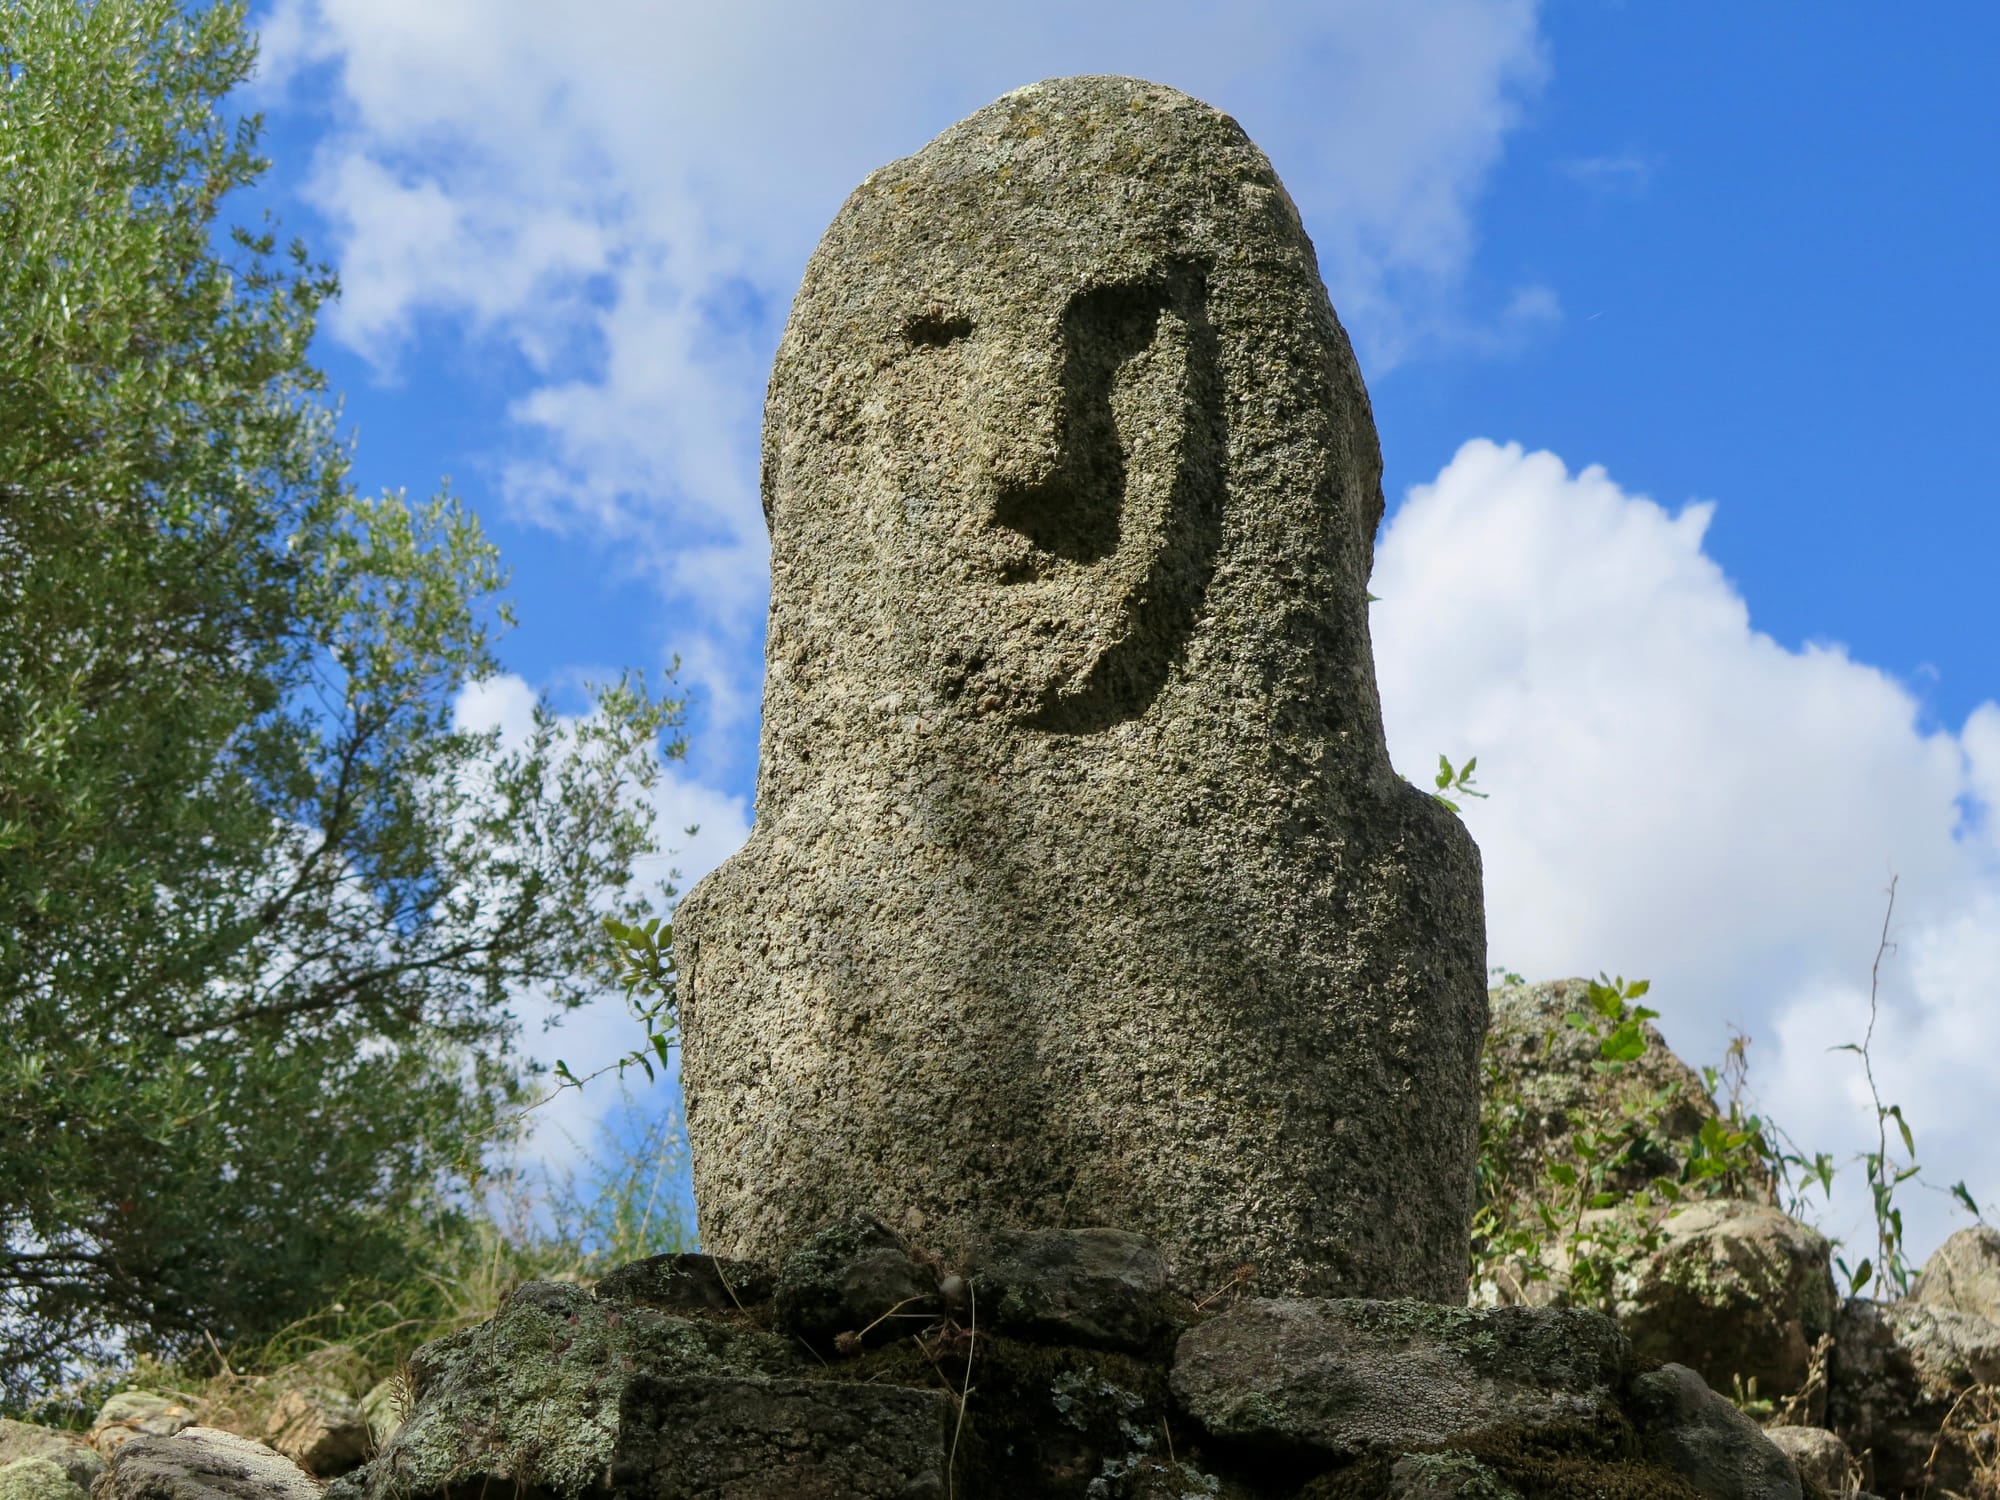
column 71, row 1451
column 1072, row 1286
column 856, row 1278
column 1963, row 1275
column 1735, row 1290
column 533, row 1396
column 1539, row 1079
column 38, row 1479
column 1346, row 1378
column 323, row 1431
column 131, row 1414
column 1703, row 1438
column 1898, row 1370
column 202, row 1463
column 1822, row 1458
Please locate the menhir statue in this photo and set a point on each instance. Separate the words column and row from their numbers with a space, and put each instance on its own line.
column 1081, row 890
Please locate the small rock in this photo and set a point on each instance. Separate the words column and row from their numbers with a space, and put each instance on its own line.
column 1820, row 1455
column 202, row 1463
column 1072, row 1286
column 857, row 1277
column 70, row 1450
column 38, row 1479
column 1348, row 1377
column 1963, row 1275
column 131, row 1414
column 1702, row 1437
column 321, row 1431
column 1155, row 1478
column 1897, row 1370
column 1736, row 1289
column 687, row 1281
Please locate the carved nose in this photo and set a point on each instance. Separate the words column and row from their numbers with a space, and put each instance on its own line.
column 1023, row 419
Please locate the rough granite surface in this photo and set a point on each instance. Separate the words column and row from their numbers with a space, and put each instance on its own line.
column 79, row 1462
column 1963, row 1274
column 201, row 1463
column 1350, row 1377
column 1082, row 890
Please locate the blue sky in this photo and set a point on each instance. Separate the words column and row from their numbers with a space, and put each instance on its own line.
column 1678, row 327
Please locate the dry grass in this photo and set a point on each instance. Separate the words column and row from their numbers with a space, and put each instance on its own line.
column 1970, row 1430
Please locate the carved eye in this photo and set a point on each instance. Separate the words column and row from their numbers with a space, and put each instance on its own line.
column 935, row 328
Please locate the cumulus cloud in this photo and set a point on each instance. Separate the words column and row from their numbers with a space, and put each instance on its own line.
column 624, row 195
column 1676, row 796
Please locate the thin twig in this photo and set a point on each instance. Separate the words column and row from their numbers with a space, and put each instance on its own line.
column 715, row 1264
column 220, row 1358
column 892, row 1313
column 1883, row 1247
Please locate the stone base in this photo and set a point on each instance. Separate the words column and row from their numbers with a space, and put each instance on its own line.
column 1055, row 1364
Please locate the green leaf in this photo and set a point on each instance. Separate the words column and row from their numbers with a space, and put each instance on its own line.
column 1963, row 1195
column 1902, row 1125
column 1625, row 1044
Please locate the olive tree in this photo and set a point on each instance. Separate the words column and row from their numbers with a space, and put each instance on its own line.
column 267, row 911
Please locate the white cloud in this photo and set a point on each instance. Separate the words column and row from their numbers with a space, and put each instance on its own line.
column 1677, row 797
column 624, row 194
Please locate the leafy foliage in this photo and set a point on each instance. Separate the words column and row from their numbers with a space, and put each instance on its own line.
column 265, row 907
column 1577, row 1206
column 525, row 1227
column 1449, row 780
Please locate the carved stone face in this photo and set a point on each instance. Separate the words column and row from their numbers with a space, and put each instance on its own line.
column 1042, row 454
